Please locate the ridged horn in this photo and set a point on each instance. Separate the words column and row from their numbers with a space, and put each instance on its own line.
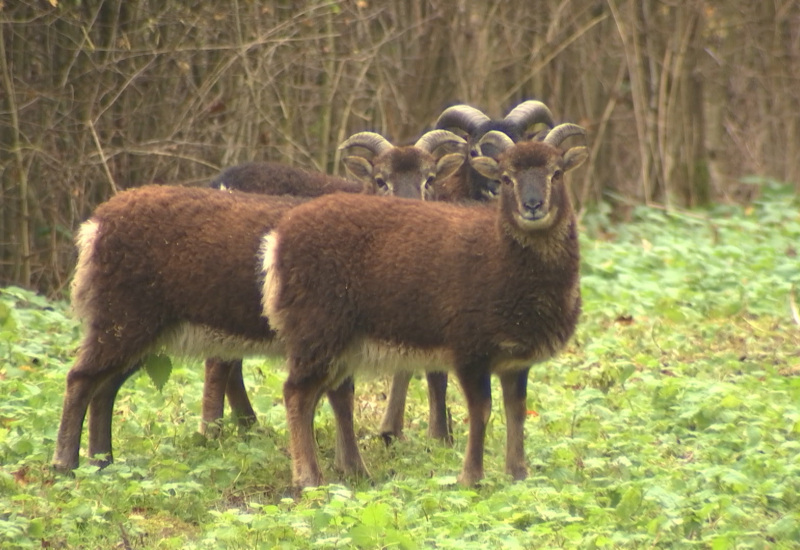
column 429, row 141
column 462, row 116
column 561, row 132
column 498, row 140
column 528, row 113
column 368, row 140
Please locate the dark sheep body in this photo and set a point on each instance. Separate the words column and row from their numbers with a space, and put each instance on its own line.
column 177, row 232
column 153, row 262
column 438, row 294
column 273, row 178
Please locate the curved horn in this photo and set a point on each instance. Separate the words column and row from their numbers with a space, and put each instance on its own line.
column 561, row 132
column 368, row 140
column 528, row 113
column 461, row 116
column 498, row 140
column 429, row 141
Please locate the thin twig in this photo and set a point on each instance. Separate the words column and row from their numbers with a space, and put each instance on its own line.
column 657, row 206
column 679, row 211
column 653, row 337
column 159, row 152
column 752, row 326
column 103, row 157
column 126, row 543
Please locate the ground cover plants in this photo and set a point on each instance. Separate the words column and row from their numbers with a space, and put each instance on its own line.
column 671, row 421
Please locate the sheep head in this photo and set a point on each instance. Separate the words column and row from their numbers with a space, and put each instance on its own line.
column 407, row 171
column 531, row 174
column 476, row 124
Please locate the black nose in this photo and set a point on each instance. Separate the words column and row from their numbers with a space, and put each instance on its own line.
column 534, row 206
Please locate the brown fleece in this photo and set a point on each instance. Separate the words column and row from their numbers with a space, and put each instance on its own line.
column 163, row 255
column 423, row 275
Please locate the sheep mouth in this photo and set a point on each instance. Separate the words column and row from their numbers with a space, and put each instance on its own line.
column 534, row 211
column 533, row 215
column 532, row 219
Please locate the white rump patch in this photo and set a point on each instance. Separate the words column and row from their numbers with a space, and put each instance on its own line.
column 270, row 290
column 82, row 288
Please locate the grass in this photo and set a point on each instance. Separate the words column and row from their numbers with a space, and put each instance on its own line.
column 672, row 420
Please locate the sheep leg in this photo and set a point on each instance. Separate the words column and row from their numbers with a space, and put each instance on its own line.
column 476, row 384
column 214, row 385
column 85, row 381
column 515, row 391
column 101, row 413
column 394, row 417
column 438, row 425
column 237, row 396
column 224, row 378
column 301, row 393
column 80, row 387
column 348, row 458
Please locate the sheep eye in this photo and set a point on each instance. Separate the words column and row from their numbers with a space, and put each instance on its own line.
column 428, row 182
column 557, row 174
column 506, row 180
column 380, row 182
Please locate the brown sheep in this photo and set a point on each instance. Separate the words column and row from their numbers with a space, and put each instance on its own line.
column 350, row 279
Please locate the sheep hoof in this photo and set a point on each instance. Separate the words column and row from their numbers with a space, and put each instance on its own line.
column 351, row 466
column 518, row 473
column 246, row 421
column 390, row 437
column 211, row 430
column 63, row 469
column 302, row 482
column 101, row 460
column 469, row 478
column 442, row 434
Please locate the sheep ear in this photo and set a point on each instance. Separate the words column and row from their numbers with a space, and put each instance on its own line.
column 359, row 167
column 448, row 164
column 486, row 166
column 574, row 157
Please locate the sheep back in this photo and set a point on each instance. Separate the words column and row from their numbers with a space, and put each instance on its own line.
column 273, row 178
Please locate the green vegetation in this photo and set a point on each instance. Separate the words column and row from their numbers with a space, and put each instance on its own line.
column 672, row 420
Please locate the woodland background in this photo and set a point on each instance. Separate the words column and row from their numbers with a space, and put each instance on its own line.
column 687, row 103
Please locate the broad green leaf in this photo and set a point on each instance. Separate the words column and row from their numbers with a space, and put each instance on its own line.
column 159, row 368
column 629, row 503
